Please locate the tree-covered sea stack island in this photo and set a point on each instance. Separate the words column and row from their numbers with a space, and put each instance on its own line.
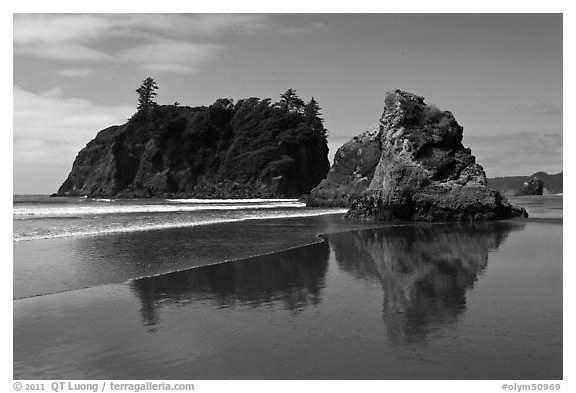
column 413, row 167
column 251, row 148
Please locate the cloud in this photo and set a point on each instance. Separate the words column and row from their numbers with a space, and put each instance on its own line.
column 307, row 29
column 31, row 29
column 220, row 23
column 549, row 108
column 132, row 39
column 50, row 129
column 163, row 56
column 54, row 92
column 517, row 154
column 50, row 117
column 68, row 52
column 197, row 25
column 75, row 72
column 544, row 108
column 60, row 37
column 58, row 29
column 79, row 38
column 74, row 37
column 175, row 57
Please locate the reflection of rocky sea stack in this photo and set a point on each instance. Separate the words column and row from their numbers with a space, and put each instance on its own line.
column 425, row 270
column 294, row 278
column 424, row 172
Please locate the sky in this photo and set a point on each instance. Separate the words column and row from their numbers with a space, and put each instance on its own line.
column 499, row 74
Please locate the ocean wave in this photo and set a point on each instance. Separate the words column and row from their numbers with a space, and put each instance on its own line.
column 230, row 201
column 170, row 225
column 76, row 210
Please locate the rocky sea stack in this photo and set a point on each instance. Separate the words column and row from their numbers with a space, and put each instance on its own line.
column 533, row 186
column 424, row 172
column 251, row 148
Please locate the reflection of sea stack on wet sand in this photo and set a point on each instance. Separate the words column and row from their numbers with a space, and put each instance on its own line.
column 292, row 277
column 425, row 270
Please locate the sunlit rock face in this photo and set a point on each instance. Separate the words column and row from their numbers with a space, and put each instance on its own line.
column 424, row 172
column 425, row 270
column 352, row 172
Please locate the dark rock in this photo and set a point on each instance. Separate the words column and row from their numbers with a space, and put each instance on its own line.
column 352, row 172
column 533, row 186
column 425, row 173
column 248, row 149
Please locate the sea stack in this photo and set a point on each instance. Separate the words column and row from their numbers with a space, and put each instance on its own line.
column 532, row 186
column 249, row 149
column 424, row 172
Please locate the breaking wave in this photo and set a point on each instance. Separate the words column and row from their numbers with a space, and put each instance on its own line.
column 185, row 205
column 149, row 226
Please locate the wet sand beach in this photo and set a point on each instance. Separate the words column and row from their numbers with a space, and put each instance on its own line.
column 418, row 301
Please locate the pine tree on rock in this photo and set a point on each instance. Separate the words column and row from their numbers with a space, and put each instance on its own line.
column 146, row 93
column 312, row 112
column 291, row 102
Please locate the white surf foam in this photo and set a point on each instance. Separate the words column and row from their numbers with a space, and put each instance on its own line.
column 78, row 210
column 159, row 226
column 230, row 201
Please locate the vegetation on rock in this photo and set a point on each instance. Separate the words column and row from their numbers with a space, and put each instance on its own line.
column 146, row 93
column 248, row 148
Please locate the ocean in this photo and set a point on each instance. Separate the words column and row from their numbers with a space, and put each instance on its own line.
column 43, row 217
column 271, row 289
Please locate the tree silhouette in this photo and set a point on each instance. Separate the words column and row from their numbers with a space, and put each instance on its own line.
column 146, row 93
column 291, row 102
column 312, row 112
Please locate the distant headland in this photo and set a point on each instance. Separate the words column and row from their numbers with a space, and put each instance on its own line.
column 539, row 183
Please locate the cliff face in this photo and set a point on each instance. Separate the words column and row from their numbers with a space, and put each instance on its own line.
column 352, row 172
column 424, row 172
column 226, row 150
